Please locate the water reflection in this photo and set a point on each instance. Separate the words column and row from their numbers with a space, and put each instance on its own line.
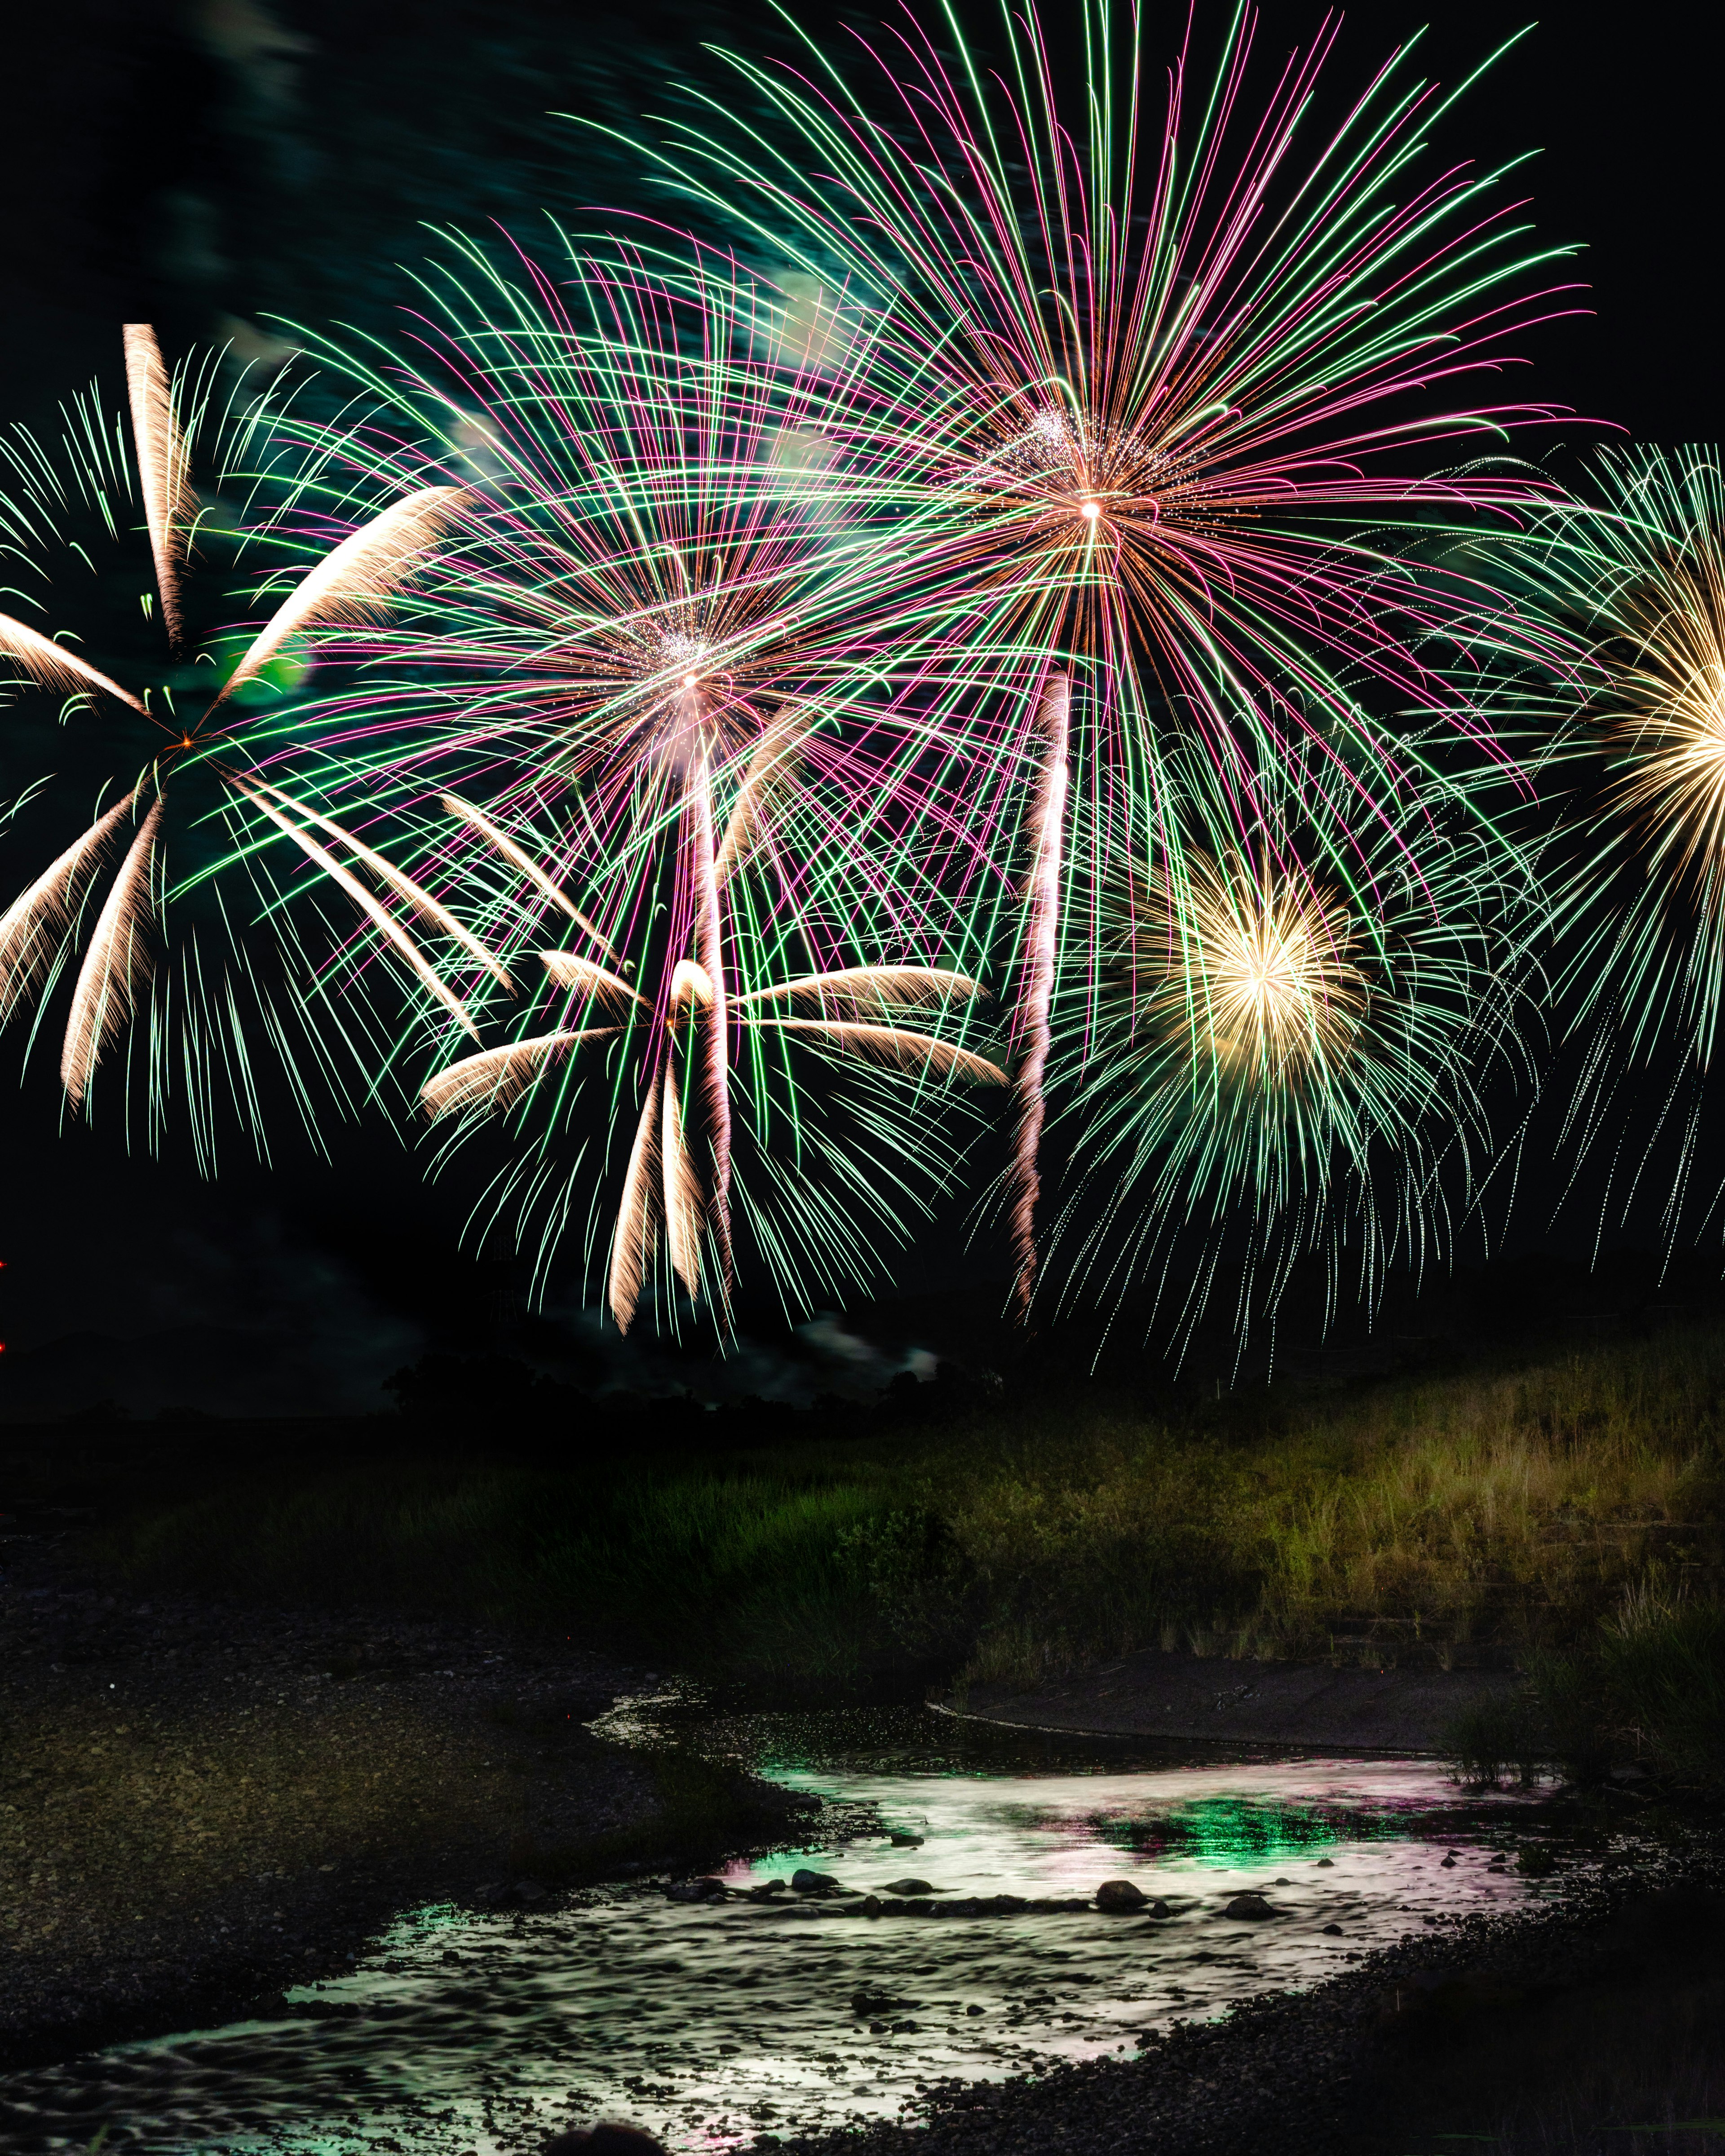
column 710, row 2023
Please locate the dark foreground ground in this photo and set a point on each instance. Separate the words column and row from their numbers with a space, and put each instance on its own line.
column 202, row 1803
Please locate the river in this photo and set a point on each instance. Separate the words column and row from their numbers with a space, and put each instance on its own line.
column 770, row 2010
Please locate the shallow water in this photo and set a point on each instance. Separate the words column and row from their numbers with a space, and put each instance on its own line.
column 709, row 2024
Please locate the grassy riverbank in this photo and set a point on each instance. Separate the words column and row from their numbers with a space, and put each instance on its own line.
column 1568, row 1508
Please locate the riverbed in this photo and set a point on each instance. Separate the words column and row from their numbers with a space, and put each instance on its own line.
column 762, row 2008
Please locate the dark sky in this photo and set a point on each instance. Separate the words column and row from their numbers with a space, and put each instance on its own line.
column 228, row 160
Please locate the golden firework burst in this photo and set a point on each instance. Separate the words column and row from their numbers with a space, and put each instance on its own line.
column 1664, row 726
column 1254, row 966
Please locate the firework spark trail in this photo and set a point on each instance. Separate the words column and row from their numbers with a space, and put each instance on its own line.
column 355, row 577
column 116, row 966
column 53, row 666
column 520, row 860
column 196, row 1035
column 563, row 642
column 164, row 472
column 651, row 634
column 852, row 989
column 38, row 913
column 496, row 1078
column 632, row 1240
column 715, row 1033
column 1259, row 971
column 428, row 908
column 1042, row 941
column 385, row 922
column 1158, row 388
column 675, row 1033
column 682, row 1188
column 570, row 970
column 918, row 1053
column 774, row 769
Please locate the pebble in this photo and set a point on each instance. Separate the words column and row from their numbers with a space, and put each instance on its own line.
column 805, row 1882
column 1248, row 1909
column 1120, row 1897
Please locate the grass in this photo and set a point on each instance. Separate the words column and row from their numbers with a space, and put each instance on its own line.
column 1520, row 1511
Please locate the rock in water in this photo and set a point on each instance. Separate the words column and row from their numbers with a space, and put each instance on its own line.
column 1248, row 1909
column 910, row 1887
column 1118, row 1896
column 814, row 1882
column 1158, row 1909
column 696, row 1890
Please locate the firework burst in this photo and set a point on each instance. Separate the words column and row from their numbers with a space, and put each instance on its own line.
column 1173, row 387
column 58, row 511
column 1291, row 1054
column 1632, row 850
column 638, row 698
column 669, row 1205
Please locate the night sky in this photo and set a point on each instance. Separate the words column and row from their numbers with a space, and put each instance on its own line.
column 224, row 162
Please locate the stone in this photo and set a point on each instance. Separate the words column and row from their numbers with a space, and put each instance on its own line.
column 972, row 2011
column 909, row 1886
column 1448, row 1865
column 1332, row 1931
column 1158, row 1909
column 906, row 1840
column 1119, row 1897
column 1325, row 1863
column 1248, row 1909
column 814, row 1882
column 696, row 1890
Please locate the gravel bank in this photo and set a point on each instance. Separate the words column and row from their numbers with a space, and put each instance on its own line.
column 200, row 1803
